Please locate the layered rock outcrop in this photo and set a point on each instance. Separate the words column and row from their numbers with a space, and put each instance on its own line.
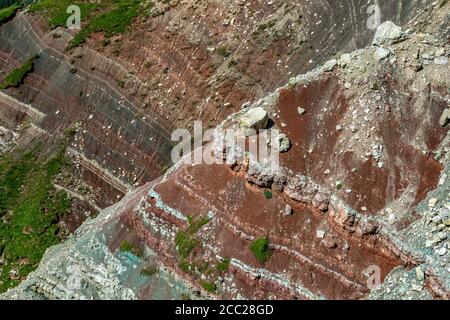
column 184, row 61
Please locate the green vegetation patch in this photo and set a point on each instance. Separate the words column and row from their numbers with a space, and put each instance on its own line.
column 375, row 86
column 268, row 194
column 107, row 16
column 194, row 264
column 185, row 266
column 127, row 246
column 121, row 83
column 16, row 77
column 186, row 240
column 261, row 250
column 185, row 296
column 111, row 22
column 263, row 27
column 56, row 10
column 30, row 208
column 223, row 51
column 9, row 12
column 148, row 271
column 209, row 286
column 223, row 266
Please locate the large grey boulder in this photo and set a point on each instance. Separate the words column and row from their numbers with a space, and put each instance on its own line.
column 255, row 118
column 283, row 143
column 381, row 54
column 330, row 65
column 387, row 33
column 345, row 59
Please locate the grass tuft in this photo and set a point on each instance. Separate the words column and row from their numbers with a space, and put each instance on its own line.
column 268, row 194
column 16, row 77
column 56, row 10
column 223, row 266
column 109, row 17
column 261, row 250
column 8, row 13
column 127, row 246
column 111, row 22
column 209, row 286
column 186, row 240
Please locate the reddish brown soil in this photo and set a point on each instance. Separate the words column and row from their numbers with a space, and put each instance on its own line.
column 315, row 137
column 243, row 211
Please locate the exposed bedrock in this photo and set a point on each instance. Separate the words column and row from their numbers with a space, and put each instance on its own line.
column 360, row 189
column 194, row 61
column 110, row 132
column 202, row 60
column 378, row 151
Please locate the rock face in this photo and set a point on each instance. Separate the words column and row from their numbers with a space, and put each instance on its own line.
column 390, row 156
column 170, row 74
column 86, row 102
